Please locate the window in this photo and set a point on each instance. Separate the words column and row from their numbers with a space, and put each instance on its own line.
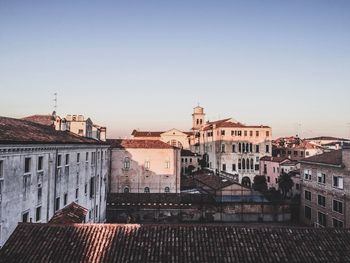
column 257, row 133
column 126, row 163
column 251, row 147
column 321, row 200
column 337, row 223
column 78, row 157
column 167, row 164
column 76, row 193
column 57, row 204
column 222, row 132
column 224, row 167
column 87, row 157
column 27, row 165
column 307, row 174
column 148, row 164
column 1, row 169
column 307, row 195
column 265, row 168
column 25, row 217
column 257, row 148
column 240, row 147
column 40, row 163
column 239, row 133
column 126, row 190
column 147, row 190
column 81, row 132
column 239, row 164
column 223, row 148
column 59, row 160
column 267, row 148
column 167, row 189
column 268, row 179
column 307, row 212
column 38, row 214
column 190, row 160
column 338, row 182
column 321, row 178
column 338, row 206
column 233, row 148
column 234, row 167
column 65, row 199
column 321, row 219
column 251, row 133
column 245, row 133
column 40, row 193
column 257, row 167
column 307, row 154
column 267, row 133
column 274, row 169
column 301, row 154
column 92, row 187
column 295, row 153
column 67, row 159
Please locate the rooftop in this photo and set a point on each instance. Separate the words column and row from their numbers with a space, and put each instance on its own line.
column 41, row 119
column 72, row 213
column 142, row 144
column 174, row 243
column 274, row 159
column 215, row 182
column 18, row 131
column 327, row 158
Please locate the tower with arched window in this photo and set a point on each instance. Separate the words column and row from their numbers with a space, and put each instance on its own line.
column 198, row 116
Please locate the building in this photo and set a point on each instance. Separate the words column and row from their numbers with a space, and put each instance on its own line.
column 328, row 142
column 174, row 243
column 172, row 137
column 230, row 147
column 43, row 170
column 74, row 123
column 144, row 166
column 295, row 148
column 325, row 189
column 190, row 162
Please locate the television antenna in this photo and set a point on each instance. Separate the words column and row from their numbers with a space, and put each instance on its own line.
column 55, row 102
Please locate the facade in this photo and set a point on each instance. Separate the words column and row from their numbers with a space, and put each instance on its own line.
column 190, row 162
column 172, row 137
column 325, row 189
column 230, row 147
column 271, row 168
column 144, row 166
column 295, row 148
column 43, row 170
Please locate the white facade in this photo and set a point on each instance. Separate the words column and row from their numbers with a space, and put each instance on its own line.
column 38, row 179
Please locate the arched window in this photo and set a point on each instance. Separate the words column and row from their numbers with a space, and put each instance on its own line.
column 126, row 163
column 147, row 190
column 167, row 189
column 251, row 147
column 243, row 147
column 248, row 164
column 126, row 189
column 240, row 147
column 252, row 164
column 239, row 164
column 247, row 147
column 243, row 164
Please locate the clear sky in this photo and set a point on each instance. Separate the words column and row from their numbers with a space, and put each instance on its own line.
column 146, row 64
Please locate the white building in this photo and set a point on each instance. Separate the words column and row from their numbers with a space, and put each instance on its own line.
column 229, row 146
column 144, row 166
column 43, row 170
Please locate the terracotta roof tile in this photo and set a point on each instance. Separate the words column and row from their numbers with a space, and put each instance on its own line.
column 135, row 143
column 17, row 131
column 72, row 213
column 331, row 158
column 136, row 133
column 174, row 243
column 215, row 182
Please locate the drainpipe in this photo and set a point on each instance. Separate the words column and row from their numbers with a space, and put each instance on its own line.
column 55, row 181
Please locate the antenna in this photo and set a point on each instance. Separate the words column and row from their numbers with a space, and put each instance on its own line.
column 55, row 102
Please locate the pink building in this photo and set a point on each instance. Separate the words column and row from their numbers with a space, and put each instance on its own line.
column 271, row 168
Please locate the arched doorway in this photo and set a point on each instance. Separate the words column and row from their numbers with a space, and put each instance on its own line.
column 246, row 181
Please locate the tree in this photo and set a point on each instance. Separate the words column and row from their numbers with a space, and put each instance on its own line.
column 285, row 183
column 259, row 183
column 190, row 169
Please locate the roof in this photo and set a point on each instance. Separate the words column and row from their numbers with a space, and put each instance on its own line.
column 328, row 158
column 174, row 243
column 136, row 133
column 327, row 138
column 41, row 119
column 18, row 131
column 273, row 159
column 72, row 213
column 142, row 144
column 188, row 153
column 229, row 123
column 215, row 182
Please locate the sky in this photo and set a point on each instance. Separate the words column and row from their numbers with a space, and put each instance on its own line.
column 145, row 64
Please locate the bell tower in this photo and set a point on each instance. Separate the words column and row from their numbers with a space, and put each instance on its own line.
column 198, row 116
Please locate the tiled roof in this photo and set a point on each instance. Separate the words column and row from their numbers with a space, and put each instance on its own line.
column 214, row 182
column 228, row 123
column 174, row 243
column 188, row 153
column 327, row 158
column 41, row 119
column 17, row 131
column 142, row 144
column 72, row 213
column 136, row 133
column 273, row 159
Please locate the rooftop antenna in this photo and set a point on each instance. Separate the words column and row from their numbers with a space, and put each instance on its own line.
column 55, row 102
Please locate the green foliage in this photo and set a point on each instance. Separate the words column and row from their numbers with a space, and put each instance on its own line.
column 285, row 183
column 259, row 183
